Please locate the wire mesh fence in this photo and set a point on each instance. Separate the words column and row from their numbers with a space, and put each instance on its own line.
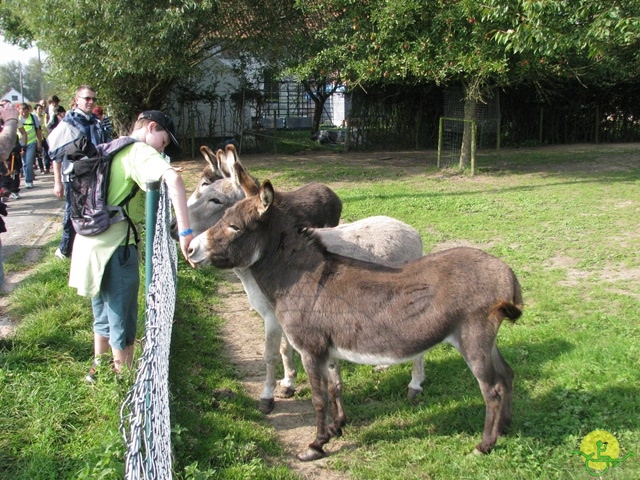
column 144, row 416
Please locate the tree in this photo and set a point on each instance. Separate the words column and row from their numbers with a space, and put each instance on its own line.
column 135, row 51
column 281, row 34
column 131, row 51
column 479, row 45
column 548, row 28
column 11, row 74
column 412, row 42
column 31, row 77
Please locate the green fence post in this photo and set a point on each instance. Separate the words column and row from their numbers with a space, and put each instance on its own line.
column 440, row 127
column 151, row 214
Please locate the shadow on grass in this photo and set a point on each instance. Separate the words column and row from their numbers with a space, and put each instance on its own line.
column 214, row 422
column 451, row 402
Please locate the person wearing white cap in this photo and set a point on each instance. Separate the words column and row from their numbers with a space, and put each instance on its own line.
column 105, row 267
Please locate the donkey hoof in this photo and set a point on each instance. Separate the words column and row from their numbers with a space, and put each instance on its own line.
column 481, row 450
column 285, row 392
column 334, row 431
column 412, row 394
column 310, row 455
column 266, row 405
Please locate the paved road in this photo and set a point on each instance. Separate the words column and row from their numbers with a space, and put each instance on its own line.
column 31, row 222
column 34, row 218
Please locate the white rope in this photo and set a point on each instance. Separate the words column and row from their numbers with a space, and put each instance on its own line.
column 144, row 416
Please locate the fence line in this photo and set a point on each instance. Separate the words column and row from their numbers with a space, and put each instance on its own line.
column 144, row 416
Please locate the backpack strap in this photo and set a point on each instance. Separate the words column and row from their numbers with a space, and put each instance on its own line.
column 122, row 205
column 111, row 148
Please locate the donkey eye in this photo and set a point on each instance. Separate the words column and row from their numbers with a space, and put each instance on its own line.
column 233, row 227
column 216, row 201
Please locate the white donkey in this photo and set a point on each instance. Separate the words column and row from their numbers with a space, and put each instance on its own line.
column 378, row 239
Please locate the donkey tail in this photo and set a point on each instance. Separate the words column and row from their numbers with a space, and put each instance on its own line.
column 507, row 310
column 511, row 310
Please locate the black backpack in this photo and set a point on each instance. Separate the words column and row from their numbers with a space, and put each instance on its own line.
column 89, row 168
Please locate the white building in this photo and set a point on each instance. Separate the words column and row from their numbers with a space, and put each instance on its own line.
column 14, row 97
column 230, row 99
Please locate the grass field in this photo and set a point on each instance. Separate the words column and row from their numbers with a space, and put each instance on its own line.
column 566, row 221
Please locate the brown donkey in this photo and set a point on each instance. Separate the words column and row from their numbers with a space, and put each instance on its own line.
column 335, row 308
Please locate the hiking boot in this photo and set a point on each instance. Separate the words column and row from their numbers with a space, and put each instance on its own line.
column 91, row 376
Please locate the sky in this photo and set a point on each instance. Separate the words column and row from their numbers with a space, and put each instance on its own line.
column 9, row 53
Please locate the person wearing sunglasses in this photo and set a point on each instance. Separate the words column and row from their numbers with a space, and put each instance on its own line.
column 105, row 266
column 79, row 122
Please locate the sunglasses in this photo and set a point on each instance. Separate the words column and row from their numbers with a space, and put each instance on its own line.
column 89, row 99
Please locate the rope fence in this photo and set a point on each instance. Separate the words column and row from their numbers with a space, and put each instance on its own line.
column 144, row 416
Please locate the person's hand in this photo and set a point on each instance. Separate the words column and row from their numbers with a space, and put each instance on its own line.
column 8, row 112
column 184, row 245
column 58, row 189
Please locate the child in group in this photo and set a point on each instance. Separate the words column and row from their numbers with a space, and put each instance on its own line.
column 106, row 266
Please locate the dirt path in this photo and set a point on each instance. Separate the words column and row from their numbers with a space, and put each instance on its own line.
column 293, row 419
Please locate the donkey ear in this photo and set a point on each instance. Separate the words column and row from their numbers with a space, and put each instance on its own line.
column 211, row 159
column 225, row 166
column 248, row 185
column 266, row 196
column 229, row 160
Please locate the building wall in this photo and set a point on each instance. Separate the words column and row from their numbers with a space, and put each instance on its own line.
column 14, row 97
column 214, row 107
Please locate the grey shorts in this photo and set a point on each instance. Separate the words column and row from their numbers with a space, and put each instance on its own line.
column 115, row 309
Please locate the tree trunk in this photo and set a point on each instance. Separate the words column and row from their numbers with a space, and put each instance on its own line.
column 319, row 94
column 318, row 102
column 470, row 107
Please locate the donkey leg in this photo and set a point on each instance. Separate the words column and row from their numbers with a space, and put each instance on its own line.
column 287, row 384
column 273, row 334
column 477, row 350
column 417, row 377
column 506, row 374
column 492, row 401
column 335, row 395
column 316, row 369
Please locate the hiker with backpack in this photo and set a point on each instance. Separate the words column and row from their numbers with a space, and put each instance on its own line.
column 32, row 127
column 79, row 122
column 105, row 262
column 44, row 161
